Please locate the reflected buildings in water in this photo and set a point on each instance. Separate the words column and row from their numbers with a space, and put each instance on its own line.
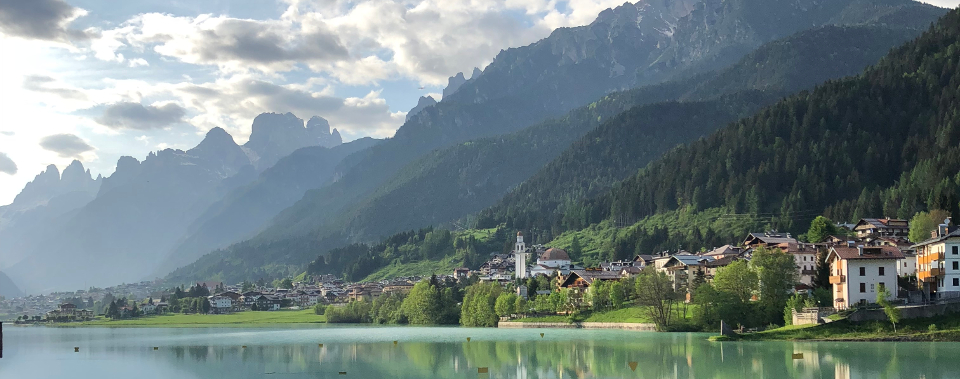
column 445, row 353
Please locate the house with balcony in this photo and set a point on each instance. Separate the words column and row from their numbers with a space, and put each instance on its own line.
column 873, row 228
column 857, row 273
column 938, row 262
column 805, row 258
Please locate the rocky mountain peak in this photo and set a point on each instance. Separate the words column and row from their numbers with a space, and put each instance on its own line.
column 276, row 135
column 425, row 101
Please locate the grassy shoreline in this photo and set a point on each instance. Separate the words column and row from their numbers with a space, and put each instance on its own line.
column 240, row 319
column 629, row 315
column 937, row 329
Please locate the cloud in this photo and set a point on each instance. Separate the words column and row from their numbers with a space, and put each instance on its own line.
column 7, row 166
column 127, row 115
column 40, row 19
column 7, row 133
column 942, row 3
column 65, row 145
column 231, row 43
column 233, row 103
column 39, row 83
column 353, row 42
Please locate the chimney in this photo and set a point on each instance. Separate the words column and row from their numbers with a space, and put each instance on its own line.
column 851, row 243
column 860, row 250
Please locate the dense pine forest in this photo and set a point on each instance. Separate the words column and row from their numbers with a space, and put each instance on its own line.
column 881, row 143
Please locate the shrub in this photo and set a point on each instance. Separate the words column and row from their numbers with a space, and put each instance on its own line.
column 319, row 309
column 932, row 328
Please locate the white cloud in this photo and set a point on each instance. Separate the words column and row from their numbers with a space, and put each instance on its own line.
column 357, row 43
column 232, row 103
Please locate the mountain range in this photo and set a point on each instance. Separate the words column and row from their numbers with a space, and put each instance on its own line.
column 446, row 184
column 542, row 138
column 133, row 218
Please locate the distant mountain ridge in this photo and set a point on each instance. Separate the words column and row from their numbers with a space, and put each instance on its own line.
column 8, row 288
column 133, row 218
column 42, row 203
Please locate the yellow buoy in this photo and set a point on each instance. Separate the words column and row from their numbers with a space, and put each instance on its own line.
column 343, row 373
column 798, row 356
column 468, row 339
column 394, row 342
column 482, row 370
column 76, row 350
column 243, row 347
column 541, row 335
column 320, row 345
column 156, row 348
column 633, row 366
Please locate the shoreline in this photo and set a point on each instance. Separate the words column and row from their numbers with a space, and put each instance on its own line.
column 645, row 327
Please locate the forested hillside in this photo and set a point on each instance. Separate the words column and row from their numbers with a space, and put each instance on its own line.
column 609, row 153
column 882, row 143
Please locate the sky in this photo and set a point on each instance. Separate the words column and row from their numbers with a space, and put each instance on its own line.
column 94, row 80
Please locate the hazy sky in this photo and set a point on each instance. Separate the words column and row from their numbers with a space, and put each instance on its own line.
column 96, row 79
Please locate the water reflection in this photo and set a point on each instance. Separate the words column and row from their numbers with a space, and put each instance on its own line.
column 445, row 353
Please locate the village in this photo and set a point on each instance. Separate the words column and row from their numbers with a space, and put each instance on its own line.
column 872, row 256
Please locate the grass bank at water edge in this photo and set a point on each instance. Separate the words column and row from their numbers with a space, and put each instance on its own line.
column 248, row 318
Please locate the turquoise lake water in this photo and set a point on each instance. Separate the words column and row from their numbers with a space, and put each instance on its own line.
column 369, row 352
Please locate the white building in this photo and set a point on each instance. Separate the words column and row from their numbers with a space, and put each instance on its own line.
column 220, row 304
column 858, row 273
column 552, row 260
column 938, row 262
column 908, row 266
column 520, row 257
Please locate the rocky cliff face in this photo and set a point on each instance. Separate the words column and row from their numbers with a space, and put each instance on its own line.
column 40, row 205
column 276, row 135
column 425, row 101
column 118, row 231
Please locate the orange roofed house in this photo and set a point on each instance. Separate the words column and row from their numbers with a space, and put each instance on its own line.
column 857, row 273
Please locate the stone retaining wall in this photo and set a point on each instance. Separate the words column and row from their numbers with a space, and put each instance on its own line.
column 580, row 325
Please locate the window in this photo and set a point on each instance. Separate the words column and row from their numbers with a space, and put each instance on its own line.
column 863, row 271
column 872, row 287
column 881, row 270
column 863, row 287
column 881, row 286
column 956, row 250
column 956, row 282
column 956, row 265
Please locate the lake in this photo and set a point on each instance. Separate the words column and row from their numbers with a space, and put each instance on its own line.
column 431, row 352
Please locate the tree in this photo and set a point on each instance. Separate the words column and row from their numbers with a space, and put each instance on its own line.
column 618, row 295
column 655, row 292
column 892, row 312
column 794, row 303
column 478, row 305
column 777, row 272
column 286, row 283
column 737, row 278
column 822, row 279
column 247, row 286
column 821, row 228
column 714, row 306
column 421, row 306
column 506, row 304
column 923, row 223
column 576, row 249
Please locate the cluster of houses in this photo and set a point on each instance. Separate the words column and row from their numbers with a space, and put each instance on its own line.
column 872, row 258
column 860, row 265
column 327, row 289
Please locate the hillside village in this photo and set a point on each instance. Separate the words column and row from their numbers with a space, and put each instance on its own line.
column 852, row 266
